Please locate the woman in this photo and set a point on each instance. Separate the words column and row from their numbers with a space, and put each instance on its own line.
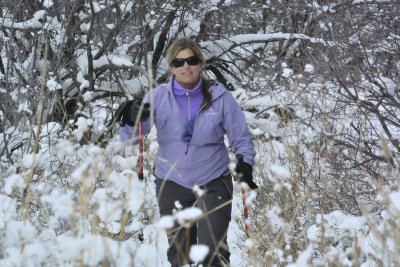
column 192, row 116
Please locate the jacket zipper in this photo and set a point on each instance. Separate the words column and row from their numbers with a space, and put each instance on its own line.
column 188, row 144
column 188, row 96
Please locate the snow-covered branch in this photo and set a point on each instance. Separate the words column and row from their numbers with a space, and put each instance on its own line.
column 217, row 48
column 34, row 23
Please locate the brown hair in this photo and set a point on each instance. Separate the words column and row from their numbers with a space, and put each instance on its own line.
column 180, row 44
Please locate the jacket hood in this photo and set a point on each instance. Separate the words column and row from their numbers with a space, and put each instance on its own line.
column 217, row 89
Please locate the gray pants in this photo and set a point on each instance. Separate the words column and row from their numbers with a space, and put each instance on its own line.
column 210, row 230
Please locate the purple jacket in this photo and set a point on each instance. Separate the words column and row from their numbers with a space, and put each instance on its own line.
column 205, row 157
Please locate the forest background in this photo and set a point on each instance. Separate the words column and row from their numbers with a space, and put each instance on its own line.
column 318, row 81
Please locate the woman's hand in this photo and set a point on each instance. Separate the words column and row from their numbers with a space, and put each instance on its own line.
column 245, row 172
column 131, row 110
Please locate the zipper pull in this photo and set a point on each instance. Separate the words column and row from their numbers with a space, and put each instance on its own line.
column 187, row 148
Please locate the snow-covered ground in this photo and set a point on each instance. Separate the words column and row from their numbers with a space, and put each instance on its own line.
column 86, row 206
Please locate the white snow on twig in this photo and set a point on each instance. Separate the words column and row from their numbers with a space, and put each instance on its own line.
column 217, row 48
column 33, row 23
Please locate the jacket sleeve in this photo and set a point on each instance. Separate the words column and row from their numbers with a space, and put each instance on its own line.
column 237, row 130
column 127, row 133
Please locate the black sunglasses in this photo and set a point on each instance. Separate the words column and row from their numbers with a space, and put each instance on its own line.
column 179, row 62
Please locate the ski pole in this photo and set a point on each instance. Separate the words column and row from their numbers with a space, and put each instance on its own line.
column 245, row 213
column 141, row 177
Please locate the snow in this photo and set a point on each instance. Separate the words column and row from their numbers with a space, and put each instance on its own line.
column 287, row 72
column 216, row 49
column 48, row 3
column 309, row 68
column 250, row 195
column 112, row 59
column 148, row 255
column 61, row 201
column 248, row 243
column 28, row 160
column 387, row 83
column 28, row 24
column 53, row 85
column 8, row 209
column 276, row 222
column 188, row 214
column 280, row 172
column 14, row 182
column 88, row 205
column 198, row 253
column 83, row 126
column 304, row 258
column 370, row 1
column 97, row 7
column 165, row 222
column 394, row 202
column 20, row 233
column 121, row 191
column 193, row 27
column 199, row 192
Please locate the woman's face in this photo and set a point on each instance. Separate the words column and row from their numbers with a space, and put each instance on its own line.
column 187, row 75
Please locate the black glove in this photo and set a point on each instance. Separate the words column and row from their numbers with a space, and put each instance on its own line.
column 245, row 172
column 130, row 110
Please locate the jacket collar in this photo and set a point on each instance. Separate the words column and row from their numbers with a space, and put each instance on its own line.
column 216, row 89
column 180, row 90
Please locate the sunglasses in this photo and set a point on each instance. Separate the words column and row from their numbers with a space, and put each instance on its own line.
column 179, row 62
